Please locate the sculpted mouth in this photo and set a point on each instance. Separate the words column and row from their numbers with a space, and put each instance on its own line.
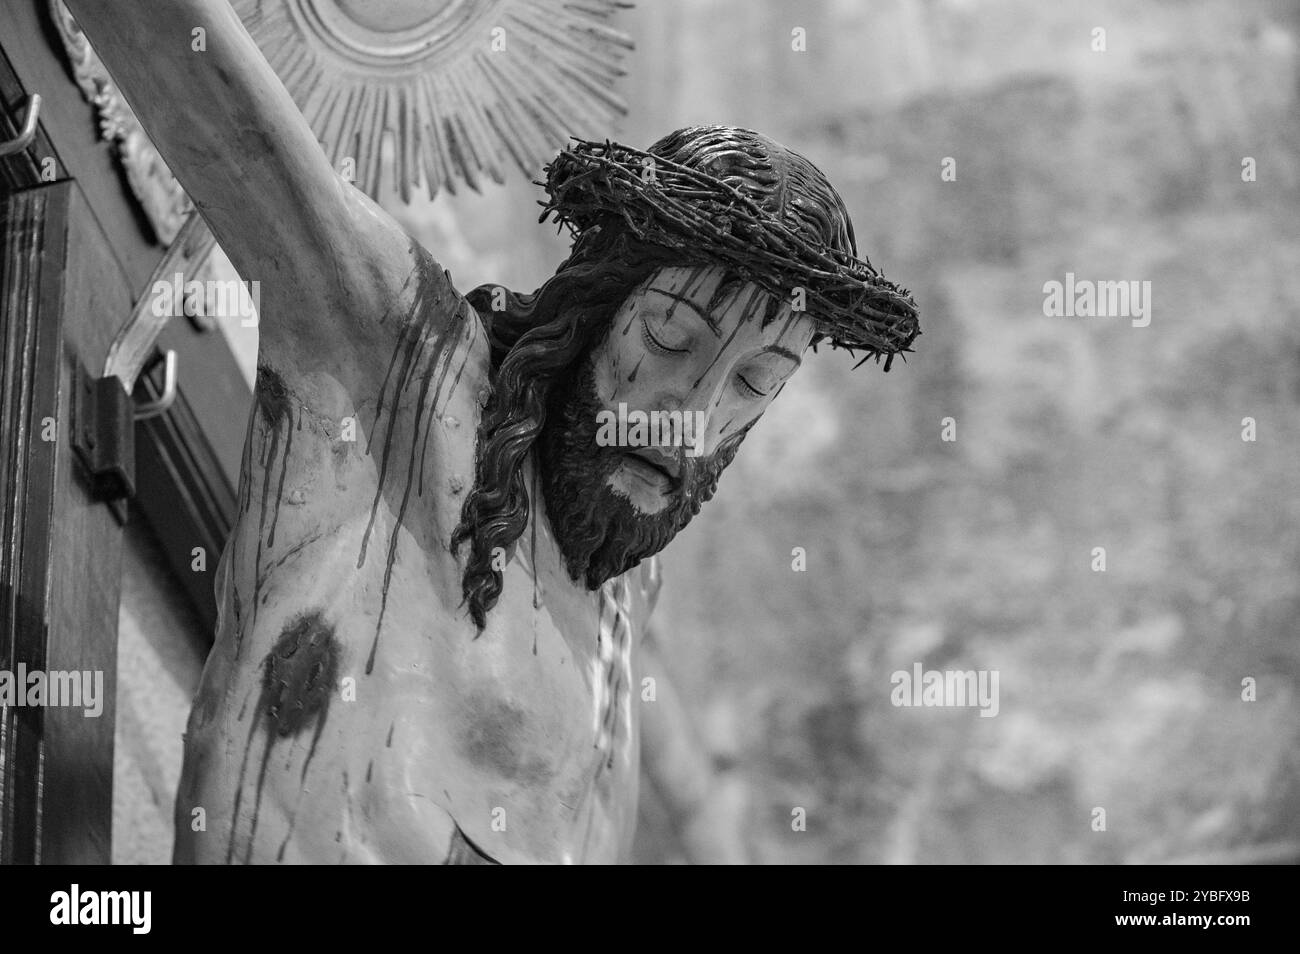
column 655, row 467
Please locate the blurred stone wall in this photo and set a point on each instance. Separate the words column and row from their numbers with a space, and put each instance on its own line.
column 160, row 652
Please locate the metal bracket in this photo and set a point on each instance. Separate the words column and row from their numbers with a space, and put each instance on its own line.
column 103, row 410
column 103, row 429
column 25, row 136
column 103, row 435
column 165, row 400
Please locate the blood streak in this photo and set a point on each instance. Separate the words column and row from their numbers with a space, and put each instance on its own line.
column 697, row 277
column 275, row 407
column 752, row 304
column 273, row 401
column 437, row 320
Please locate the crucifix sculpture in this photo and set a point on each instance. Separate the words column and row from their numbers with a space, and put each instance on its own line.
column 433, row 603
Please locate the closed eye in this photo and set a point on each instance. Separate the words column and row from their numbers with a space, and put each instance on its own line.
column 748, row 389
column 654, row 344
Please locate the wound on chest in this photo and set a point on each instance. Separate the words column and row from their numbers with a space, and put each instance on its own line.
column 299, row 674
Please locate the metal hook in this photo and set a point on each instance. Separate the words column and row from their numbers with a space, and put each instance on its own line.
column 134, row 346
column 24, row 138
column 168, row 397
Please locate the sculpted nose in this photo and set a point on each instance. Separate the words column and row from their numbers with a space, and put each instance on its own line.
column 696, row 413
column 666, row 404
column 689, row 423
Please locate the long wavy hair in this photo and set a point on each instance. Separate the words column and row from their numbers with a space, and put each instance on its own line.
column 535, row 340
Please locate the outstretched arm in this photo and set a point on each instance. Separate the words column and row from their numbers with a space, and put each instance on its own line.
column 329, row 262
column 706, row 806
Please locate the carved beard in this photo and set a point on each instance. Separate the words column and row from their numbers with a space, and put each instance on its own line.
column 599, row 532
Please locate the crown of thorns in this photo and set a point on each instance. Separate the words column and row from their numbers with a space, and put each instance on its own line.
column 672, row 205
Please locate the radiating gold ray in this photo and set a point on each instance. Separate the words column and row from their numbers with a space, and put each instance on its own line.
column 455, row 107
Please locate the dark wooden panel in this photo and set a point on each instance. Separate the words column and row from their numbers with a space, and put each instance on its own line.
column 86, row 559
column 62, row 550
column 31, row 360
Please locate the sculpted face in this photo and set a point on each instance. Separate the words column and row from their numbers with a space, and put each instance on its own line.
column 721, row 368
column 612, row 504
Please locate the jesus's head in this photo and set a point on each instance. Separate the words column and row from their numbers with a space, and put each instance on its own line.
column 638, row 321
column 711, row 353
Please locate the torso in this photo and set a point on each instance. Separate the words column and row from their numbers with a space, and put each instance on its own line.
column 350, row 711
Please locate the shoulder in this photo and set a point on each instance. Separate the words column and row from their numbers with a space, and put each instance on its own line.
column 395, row 322
column 346, row 296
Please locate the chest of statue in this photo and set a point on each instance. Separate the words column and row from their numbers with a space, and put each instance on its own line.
column 526, row 734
